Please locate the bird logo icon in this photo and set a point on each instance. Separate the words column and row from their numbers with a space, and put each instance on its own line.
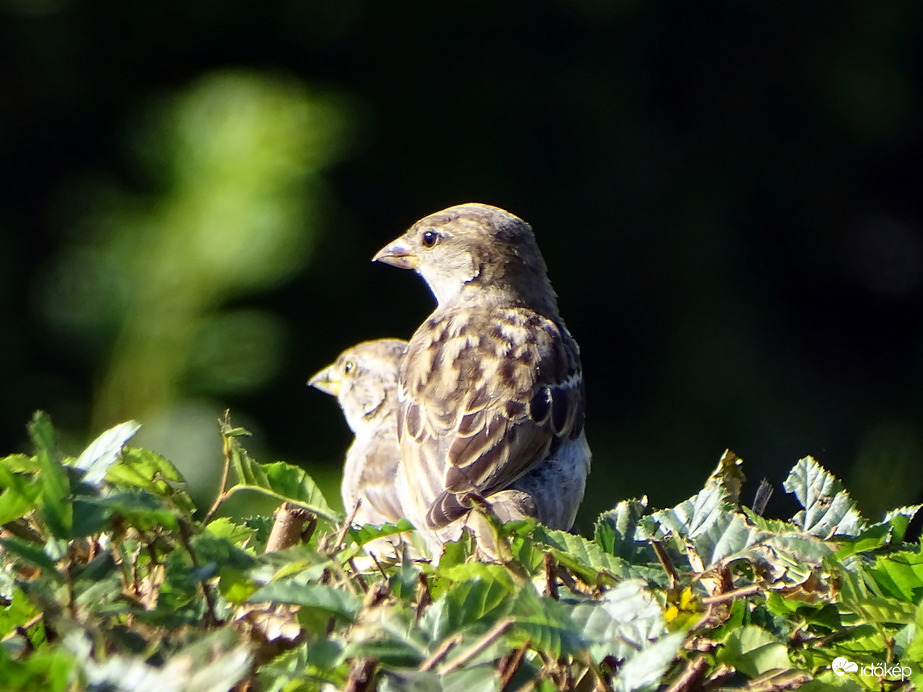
column 843, row 665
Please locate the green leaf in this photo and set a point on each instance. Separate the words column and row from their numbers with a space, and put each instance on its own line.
column 50, row 670
column 19, row 496
column 900, row 575
column 136, row 507
column 32, row 555
column 214, row 663
column 17, row 613
column 828, row 508
column 224, row 528
column 473, row 679
column 146, row 470
column 615, row 531
column 104, row 451
column 305, row 667
column 825, row 615
column 753, row 651
column 221, row 552
column 403, row 581
column 388, row 634
column 626, row 621
column 42, row 434
column 773, row 526
column 584, row 557
column 914, row 650
column 729, row 476
column 54, row 507
column 727, row 536
column 546, row 623
column 287, row 483
column 690, row 518
column 318, row 596
column 899, row 519
column 867, row 540
column 367, row 533
column 479, row 595
column 647, row 668
column 880, row 610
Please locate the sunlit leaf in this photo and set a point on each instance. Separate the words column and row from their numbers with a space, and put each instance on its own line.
column 31, row 554
column 727, row 536
column 479, row 594
column 365, row 534
column 585, row 557
column 828, row 508
column 19, row 494
column 900, row 575
column 646, row 668
column 625, row 622
column 615, row 531
column 333, row 601
column 474, row 679
column 104, row 451
column 690, row 518
column 547, row 624
column 142, row 468
column 729, row 476
column 284, row 482
column 754, row 651
column 207, row 666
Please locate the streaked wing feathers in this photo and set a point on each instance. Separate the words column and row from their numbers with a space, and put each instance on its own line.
column 485, row 396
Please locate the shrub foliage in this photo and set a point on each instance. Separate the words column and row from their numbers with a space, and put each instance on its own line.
column 111, row 579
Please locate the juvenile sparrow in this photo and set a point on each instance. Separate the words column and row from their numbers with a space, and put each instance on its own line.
column 491, row 390
column 364, row 381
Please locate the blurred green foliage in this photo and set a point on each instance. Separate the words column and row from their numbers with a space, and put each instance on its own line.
column 727, row 196
column 110, row 579
column 146, row 281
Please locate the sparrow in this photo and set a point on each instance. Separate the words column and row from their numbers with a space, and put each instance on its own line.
column 491, row 394
column 364, row 380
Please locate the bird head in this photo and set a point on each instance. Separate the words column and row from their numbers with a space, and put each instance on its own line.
column 475, row 253
column 363, row 379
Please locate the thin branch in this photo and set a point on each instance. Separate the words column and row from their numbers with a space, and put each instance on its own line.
column 493, row 634
column 222, row 489
column 731, row 595
column 440, row 653
column 691, row 678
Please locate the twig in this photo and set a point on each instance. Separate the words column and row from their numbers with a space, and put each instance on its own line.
column 498, row 630
column 551, row 580
column 357, row 576
column 513, row 665
column 731, row 595
column 341, row 536
column 184, row 536
column 691, row 678
column 666, row 563
column 425, row 597
column 360, row 675
column 440, row 653
column 719, row 677
column 220, row 498
column 380, row 568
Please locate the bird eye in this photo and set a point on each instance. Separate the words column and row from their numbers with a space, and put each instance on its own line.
column 430, row 238
column 348, row 366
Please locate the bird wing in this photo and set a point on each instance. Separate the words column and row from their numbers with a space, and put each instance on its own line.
column 486, row 395
column 379, row 478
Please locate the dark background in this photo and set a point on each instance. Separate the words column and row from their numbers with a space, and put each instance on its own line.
column 728, row 196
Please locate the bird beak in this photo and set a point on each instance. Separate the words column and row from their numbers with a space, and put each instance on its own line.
column 326, row 381
column 398, row 254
